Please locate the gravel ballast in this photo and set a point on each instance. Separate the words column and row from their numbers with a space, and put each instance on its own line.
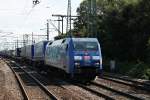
column 9, row 89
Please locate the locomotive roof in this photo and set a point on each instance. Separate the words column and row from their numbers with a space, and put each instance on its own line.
column 85, row 39
column 61, row 41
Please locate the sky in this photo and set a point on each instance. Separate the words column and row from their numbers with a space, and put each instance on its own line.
column 18, row 17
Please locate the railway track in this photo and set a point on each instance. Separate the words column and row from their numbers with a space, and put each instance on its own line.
column 124, row 86
column 24, row 93
column 94, row 88
column 127, row 81
column 30, row 92
column 65, row 84
column 101, row 94
column 105, row 91
column 110, row 93
column 117, row 91
column 60, row 89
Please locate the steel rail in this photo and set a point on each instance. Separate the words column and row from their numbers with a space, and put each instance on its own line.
column 119, row 92
column 24, row 93
column 145, row 86
column 126, row 83
column 44, row 88
column 91, row 90
column 95, row 92
column 88, row 89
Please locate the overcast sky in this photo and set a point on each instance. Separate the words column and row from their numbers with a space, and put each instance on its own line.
column 20, row 17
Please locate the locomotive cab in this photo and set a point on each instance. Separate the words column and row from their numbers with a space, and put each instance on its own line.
column 87, row 57
column 75, row 56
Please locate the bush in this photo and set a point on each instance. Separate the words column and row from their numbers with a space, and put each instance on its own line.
column 147, row 74
column 136, row 70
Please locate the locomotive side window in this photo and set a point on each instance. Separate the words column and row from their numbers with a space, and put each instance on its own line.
column 80, row 45
column 63, row 41
column 50, row 43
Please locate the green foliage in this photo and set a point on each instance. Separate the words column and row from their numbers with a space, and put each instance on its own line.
column 140, row 70
column 123, row 28
column 123, row 31
column 135, row 70
column 146, row 74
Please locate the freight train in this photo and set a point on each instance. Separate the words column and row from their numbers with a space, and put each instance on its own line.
column 76, row 57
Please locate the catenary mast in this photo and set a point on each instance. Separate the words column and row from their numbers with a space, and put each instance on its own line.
column 68, row 28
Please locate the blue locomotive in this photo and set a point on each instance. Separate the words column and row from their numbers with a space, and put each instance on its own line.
column 78, row 57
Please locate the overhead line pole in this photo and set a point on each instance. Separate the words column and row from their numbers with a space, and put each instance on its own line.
column 62, row 19
column 68, row 29
column 58, row 24
column 92, row 14
column 47, row 30
column 32, row 38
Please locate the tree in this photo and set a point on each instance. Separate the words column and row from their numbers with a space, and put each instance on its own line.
column 123, row 27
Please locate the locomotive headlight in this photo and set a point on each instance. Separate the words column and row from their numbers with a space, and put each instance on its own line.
column 77, row 57
column 96, row 57
column 77, row 64
column 97, row 64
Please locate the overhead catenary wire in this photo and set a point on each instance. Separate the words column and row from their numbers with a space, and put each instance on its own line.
column 27, row 10
column 30, row 11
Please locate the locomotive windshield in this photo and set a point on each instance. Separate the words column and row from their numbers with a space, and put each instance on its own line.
column 88, row 46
